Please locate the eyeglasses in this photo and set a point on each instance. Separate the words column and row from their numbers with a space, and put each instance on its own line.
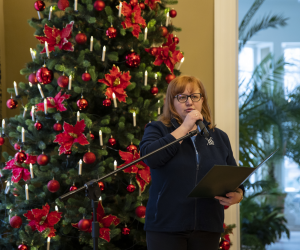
column 183, row 98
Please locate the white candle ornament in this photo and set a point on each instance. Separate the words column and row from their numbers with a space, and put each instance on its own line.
column 41, row 91
column 70, row 83
column 23, row 134
column 120, row 9
column 16, row 88
column 48, row 243
column 30, row 84
column 47, row 49
column 78, row 116
column 56, row 208
column 7, row 188
column 92, row 43
column 145, row 35
column 134, row 119
column 75, row 5
column 80, row 167
column 182, row 60
column 167, row 19
column 115, row 100
column 100, row 198
column 32, row 113
column 31, row 171
column 100, row 138
column 115, row 166
column 24, row 112
column 158, row 111
column 26, row 192
column 32, row 54
column 146, row 78
column 50, row 13
column 155, row 76
column 103, row 53
column 45, row 106
column 3, row 126
column 9, row 213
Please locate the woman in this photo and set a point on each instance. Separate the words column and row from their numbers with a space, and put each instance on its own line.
column 174, row 221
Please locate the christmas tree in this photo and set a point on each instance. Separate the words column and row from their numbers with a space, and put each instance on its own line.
column 93, row 84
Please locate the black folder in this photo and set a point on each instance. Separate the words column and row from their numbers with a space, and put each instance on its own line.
column 221, row 180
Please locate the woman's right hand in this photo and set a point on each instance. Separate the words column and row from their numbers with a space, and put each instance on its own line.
column 190, row 120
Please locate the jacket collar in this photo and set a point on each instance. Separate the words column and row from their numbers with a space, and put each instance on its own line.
column 176, row 124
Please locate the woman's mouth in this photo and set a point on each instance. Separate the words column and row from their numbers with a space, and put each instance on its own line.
column 189, row 110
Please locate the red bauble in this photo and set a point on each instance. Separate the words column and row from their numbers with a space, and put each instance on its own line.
column 153, row 51
column 17, row 147
column 99, row 5
column 43, row 159
column 16, row 221
column 63, row 4
column 53, row 186
column 101, row 185
column 176, row 40
column 63, row 81
column 140, row 211
column 111, row 32
column 11, row 104
column 68, row 152
column 131, row 148
column 89, row 158
column 82, row 103
column 133, row 59
column 32, row 78
column 86, row 76
column 80, row 38
column 154, row 90
column 84, row 225
column 169, row 78
column 134, row 2
column 2, row 140
column 130, row 188
column 173, row 13
column 112, row 141
column 38, row 126
column 125, row 230
column 44, row 75
column 57, row 127
column 164, row 30
column 73, row 188
column 20, row 157
column 142, row 6
column 23, row 247
column 224, row 245
column 39, row 5
column 15, row 194
column 92, row 136
column 107, row 102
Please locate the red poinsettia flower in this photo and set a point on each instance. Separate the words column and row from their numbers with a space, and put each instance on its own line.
column 133, row 18
column 70, row 136
column 116, row 82
column 30, row 159
column 57, row 38
column 152, row 3
column 41, row 219
column 167, row 54
column 56, row 102
column 105, row 221
column 141, row 170
column 18, row 172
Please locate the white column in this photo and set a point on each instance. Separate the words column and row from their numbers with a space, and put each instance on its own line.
column 226, row 89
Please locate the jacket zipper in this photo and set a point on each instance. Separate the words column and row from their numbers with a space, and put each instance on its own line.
column 197, row 168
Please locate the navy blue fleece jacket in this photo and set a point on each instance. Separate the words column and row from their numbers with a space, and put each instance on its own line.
column 175, row 173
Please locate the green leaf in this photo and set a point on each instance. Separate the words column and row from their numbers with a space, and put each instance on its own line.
column 130, row 136
column 57, row 117
column 151, row 23
column 82, row 210
column 89, row 7
column 49, row 87
column 41, row 145
column 113, row 56
column 86, row 64
column 92, row 20
column 77, row 90
column 131, row 86
column 22, row 85
column 122, row 32
column 108, row 10
column 110, row 19
column 59, row 67
column 11, row 90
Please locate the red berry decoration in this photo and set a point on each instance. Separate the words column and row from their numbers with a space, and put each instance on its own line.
column 112, row 141
column 73, row 187
column 140, row 211
column 134, row 2
column 53, row 186
column 101, row 185
column 125, row 230
column 107, row 102
column 86, row 76
column 169, row 78
column 153, row 51
column 224, row 245
column 68, row 152
column 131, row 148
column 39, row 5
column 176, row 40
column 130, row 188
column 92, row 136
column 38, row 125
column 154, row 90
column 164, row 30
column 2, row 140
column 84, row 225
column 11, row 104
column 44, row 75
column 32, row 78
column 89, row 158
column 23, row 247
column 63, row 4
column 82, row 103
column 57, row 127
column 133, row 59
column 43, row 159
column 99, row 5
column 63, row 81
column 17, row 147
column 16, row 221
column 15, row 194
column 111, row 32
column 80, row 38
column 173, row 13
column 20, row 157
column 142, row 6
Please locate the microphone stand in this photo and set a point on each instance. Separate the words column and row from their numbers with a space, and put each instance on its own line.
column 92, row 189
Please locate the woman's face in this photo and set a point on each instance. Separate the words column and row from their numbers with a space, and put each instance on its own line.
column 183, row 108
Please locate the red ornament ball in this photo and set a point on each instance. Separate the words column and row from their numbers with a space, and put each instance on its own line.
column 176, row 40
column 81, row 38
column 107, row 102
column 173, row 13
column 84, row 225
column 92, row 136
column 82, row 104
column 169, row 78
column 23, row 247
column 2, row 140
column 20, row 157
column 140, row 211
column 125, row 230
column 153, row 51
column 43, row 159
column 133, row 59
column 53, row 186
column 130, row 188
column 16, row 221
column 154, row 90
column 15, row 194
column 73, row 188
column 112, row 141
column 39, row 5
column 63, row 81
column 63, row 4
column 101, row 185
column 38, row 126
column 57, row 127
column 134, row 2
column 11, row 104
column 86, row 77
column 99, row 5
column 164, row 30
column 32, row 78
column 111, row 32
column 142, row 6
column 131, row 148
column 89, row 158
column 44, row 75
column 224, row 245
column 68, row 152
column 17, row 147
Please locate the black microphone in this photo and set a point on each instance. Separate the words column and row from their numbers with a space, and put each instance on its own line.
column 204, row 130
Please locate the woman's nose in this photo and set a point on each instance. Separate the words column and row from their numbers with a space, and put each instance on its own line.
column 189, row 101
